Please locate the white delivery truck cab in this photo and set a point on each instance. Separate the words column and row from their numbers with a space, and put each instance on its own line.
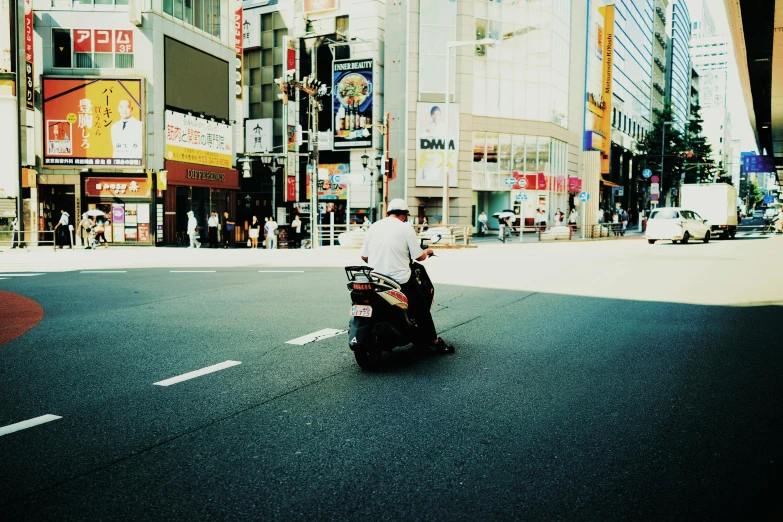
column 715, row 202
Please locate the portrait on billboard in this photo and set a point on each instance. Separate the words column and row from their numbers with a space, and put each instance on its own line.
column 352, row 99
column 431, row 152
column 90, row 121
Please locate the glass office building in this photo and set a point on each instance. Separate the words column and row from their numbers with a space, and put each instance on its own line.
column 678, row 84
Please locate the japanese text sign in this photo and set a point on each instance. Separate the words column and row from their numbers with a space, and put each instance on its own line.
column 190, row 139
column 93, row 122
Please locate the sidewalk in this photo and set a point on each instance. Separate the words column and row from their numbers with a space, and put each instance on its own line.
column 530, row 237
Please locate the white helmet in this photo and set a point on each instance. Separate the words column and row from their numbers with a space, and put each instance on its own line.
column 397, row 205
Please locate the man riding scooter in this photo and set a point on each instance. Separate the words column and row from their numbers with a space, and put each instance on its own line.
column 390, row 245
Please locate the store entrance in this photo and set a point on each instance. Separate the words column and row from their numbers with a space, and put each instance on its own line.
column 52, row 199
column 201, row 201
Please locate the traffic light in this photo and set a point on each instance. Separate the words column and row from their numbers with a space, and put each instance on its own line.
column 283, row 96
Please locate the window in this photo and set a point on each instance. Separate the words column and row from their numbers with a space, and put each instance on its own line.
column 481, row 33
column 61, row 48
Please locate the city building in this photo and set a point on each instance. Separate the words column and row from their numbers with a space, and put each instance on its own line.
column 513, row 122
column 340, row 43
column 635, row 47
column 678, row 63
column 661, row 50
column 131, row 115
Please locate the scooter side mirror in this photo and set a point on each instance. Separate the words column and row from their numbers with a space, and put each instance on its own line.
column 435, row 238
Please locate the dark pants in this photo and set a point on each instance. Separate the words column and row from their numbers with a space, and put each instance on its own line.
column 213, row 237
column 228, row 237
column 419, row 311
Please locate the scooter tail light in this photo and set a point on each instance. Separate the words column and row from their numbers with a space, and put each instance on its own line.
column 362, row 286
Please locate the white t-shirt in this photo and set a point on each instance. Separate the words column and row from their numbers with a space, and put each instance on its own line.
column 213, row 221
column 64, row 219
column 389, row 246
column 297, row 224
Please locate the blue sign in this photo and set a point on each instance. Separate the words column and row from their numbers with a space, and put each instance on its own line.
column 756, row 163
column 510, row 181
column 522, row 196
column 335, row 179
column 646, row 173
column 584, row 197
column 768, row 200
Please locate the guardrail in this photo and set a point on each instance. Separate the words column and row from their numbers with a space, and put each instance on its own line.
column 27, row 238
column 562, row 232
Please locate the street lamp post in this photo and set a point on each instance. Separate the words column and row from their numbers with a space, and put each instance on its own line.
column 449, row 46
column 663, row 157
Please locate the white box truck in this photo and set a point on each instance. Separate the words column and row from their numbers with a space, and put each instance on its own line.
column 715, row 202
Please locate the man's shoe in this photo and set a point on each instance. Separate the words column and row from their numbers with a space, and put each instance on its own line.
column 441, row 347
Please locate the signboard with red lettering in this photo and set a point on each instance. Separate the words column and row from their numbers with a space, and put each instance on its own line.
column 123, row 41
column 117, row 187
column 82, row 40
column 28, row 55
column 290, row 186
column 238, row 47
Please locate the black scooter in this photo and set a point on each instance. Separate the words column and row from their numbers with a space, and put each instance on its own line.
column 379, row 311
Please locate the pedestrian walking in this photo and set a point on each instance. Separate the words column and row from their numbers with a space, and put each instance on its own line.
column 559, row 217
column 193, row 230
column 482, row 219
column 541, row 219
column 296, row 228
column 61, row 231
column 573, row 219
column 100, row 234
column 212, row 229
column 271, row 230
column 86, row 230
column 365, row 224
column 255, row 231
column 228, row 231
column 624, row 221
column 15, row 234
column 424, row 224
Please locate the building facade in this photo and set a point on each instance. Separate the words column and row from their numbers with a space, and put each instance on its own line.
column 661, row 50
column 132, row 117
column 678, row 74
column 514, row 135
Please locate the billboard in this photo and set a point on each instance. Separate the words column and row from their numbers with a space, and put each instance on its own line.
column 190, row 139
column 352, row 99
column 317, row 6
column 92, row 121
column 431, row 144
column 29, row 77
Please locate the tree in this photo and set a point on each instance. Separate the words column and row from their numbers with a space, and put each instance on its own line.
column 649, row 148
column 700, row 167
column 751, row 194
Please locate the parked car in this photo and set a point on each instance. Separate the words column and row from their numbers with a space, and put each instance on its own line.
column 757, row 214
column 770, row 214
column 676, row 224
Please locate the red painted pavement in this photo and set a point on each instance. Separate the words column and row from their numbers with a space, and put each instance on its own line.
column 17, row 315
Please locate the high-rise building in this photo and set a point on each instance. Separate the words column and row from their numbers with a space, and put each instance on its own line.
column 678, row 69
column 126, row 102
column 511, row 131
column 661, row 49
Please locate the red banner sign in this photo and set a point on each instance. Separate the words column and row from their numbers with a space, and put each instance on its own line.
column 290, row 186
column 192, row 175
column 103, row 41
column 122, row 188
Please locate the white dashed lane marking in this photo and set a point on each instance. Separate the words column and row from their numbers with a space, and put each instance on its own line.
column 281, row 271
column 316, row 336
column 43, row 419
column 197, row 373
column 192, row 271
column 20, row 275
column 103, row 272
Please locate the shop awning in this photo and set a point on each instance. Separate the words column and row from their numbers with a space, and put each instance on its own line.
column 608, row 183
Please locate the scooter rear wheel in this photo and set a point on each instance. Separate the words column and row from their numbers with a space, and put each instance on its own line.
column 367, row 358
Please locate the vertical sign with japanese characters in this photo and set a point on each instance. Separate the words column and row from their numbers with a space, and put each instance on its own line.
column 28, row 55
column 238, row 46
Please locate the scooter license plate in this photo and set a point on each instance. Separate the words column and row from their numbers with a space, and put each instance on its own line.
column 361, row 311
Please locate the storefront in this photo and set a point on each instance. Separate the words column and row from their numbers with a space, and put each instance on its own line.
column 126, row 203
column 200, row 188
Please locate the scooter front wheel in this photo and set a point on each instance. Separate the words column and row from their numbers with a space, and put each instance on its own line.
column 368, row 358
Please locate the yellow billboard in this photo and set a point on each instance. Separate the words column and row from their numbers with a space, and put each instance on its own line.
column 190, row 139
column 93, row 122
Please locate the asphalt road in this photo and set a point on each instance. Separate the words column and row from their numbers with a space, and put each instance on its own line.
column 554, row 407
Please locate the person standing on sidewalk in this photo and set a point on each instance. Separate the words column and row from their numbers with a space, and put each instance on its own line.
column 271, row 239
column 573, row 219
column 212, row 229
column 192, row 230
column 62, row 234
column 624, row 221
column 541, row 219
column 100, row 234
column 296, row 228
column 228, row 231
column 85, row 230
column 254, row 232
